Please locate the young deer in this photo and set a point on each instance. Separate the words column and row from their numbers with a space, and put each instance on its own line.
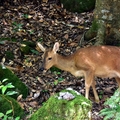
column 99, row 61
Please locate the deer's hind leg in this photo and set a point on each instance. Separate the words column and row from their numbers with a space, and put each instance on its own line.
column 95, row 92
column 89, row 81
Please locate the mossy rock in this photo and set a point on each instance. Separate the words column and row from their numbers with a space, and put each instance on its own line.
column 8, row 103
column 78, row 5
column 20, row 87
column 62, row 109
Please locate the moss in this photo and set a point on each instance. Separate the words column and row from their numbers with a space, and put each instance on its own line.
column 94, row 26
column 59, row 109
column 8, row 103
column 12, row 78
column 78, row 5
column 92, row 32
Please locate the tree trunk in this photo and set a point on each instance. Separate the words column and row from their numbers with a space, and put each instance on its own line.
column 106, row 24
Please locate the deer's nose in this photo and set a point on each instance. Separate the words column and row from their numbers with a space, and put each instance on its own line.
column 42, row 69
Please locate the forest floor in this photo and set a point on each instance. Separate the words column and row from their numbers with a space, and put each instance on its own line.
column 46, row 23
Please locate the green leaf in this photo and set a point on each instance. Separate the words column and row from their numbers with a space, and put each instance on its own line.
column 31, row 31
column 56, row 82
column 9, row 85
column 109, row 116
column 58, row 73
column 40, row 40
column 14, row 23
column 1, row 115
column 60, row 79
column 117, row 99
column 4, row 80
column 9, row 111
column 35, row 52
column 17, row 118
column 113, row 107
column 1, row 86
column 5, row 117
column 55, row 70
column 25, row 16
column 11, row 92
column 118, row 109
column 10, row 118
column 4, row 89
column 103, row 111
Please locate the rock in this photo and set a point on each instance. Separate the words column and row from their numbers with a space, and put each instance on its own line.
column 76, row 108
column 20, row 87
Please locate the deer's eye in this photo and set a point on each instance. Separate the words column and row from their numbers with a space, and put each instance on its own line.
column 50, row 58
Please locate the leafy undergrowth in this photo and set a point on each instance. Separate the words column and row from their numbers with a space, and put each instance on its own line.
column 46, row 23
column 112, row 110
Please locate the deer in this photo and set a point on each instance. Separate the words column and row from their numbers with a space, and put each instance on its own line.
column 88, row 62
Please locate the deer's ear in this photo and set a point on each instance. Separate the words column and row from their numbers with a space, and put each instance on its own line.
column 56, row 47
column 41, row 47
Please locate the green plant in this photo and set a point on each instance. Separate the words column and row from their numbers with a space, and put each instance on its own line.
column 35, row 51
column 112, row 110
column 17, row 26
column 44, row 91
column 101, row 94
column 58, row 80
column 40, row 40
column 26, row 16
column 7, row 116
column 31, row 110
column 4, row 87
column 55, row 70
column 31, row 31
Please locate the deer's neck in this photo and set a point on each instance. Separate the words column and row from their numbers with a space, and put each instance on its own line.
column 65, row 62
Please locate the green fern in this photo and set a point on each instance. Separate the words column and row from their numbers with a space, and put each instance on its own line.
column 112, row 110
